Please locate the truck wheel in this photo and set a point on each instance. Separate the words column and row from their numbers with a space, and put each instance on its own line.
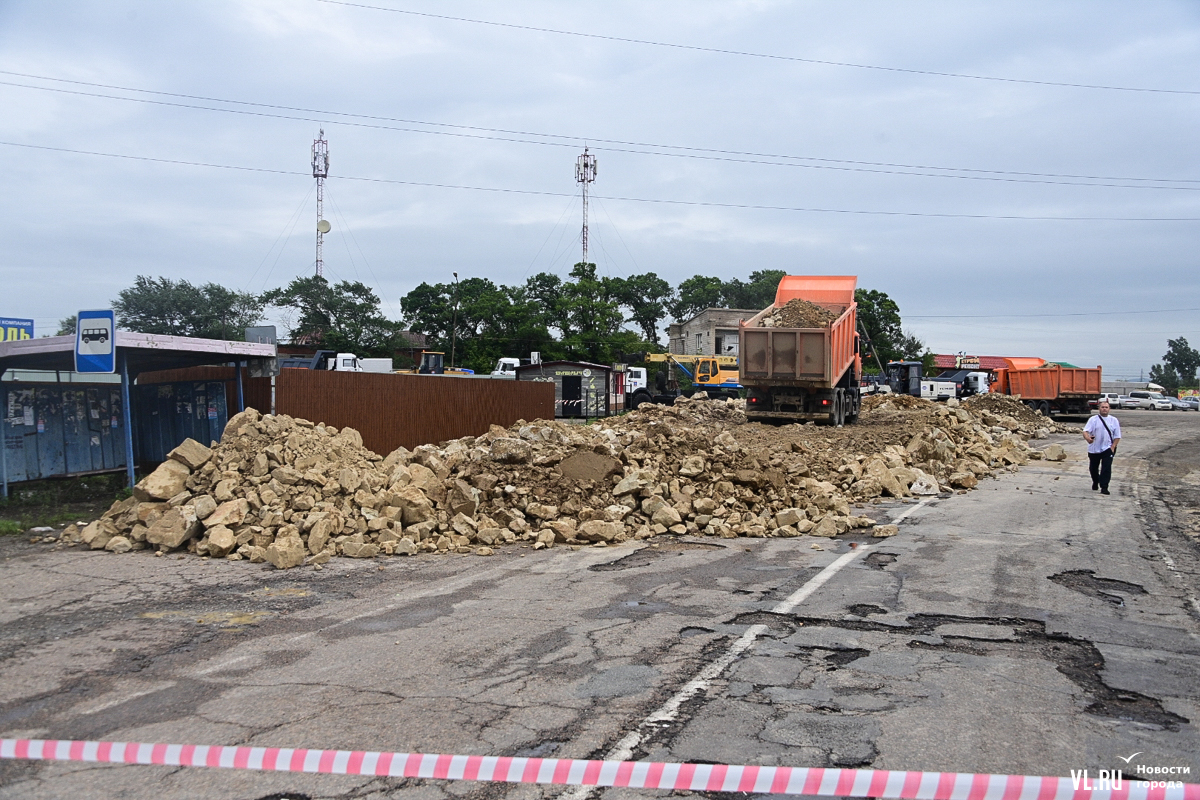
column 1044, row 408
column 638, row 399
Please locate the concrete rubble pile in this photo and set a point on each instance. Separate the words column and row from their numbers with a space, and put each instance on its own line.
column 288, row 492
column 799, row 313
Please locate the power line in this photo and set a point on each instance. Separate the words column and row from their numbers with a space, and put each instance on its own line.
column 1074, row 314
column 658, row 201
column 773, row 57
column 614, row 145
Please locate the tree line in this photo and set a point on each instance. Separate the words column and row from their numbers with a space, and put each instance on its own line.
column 584, row 316
column 1178, row 368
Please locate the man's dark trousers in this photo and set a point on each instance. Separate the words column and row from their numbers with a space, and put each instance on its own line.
column 1100, row 465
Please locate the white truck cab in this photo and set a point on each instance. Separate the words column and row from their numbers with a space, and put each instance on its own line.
column 345, row 362
column 506, row 368
column 635, row 378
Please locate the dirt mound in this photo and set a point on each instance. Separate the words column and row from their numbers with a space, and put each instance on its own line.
column 285, row 491
column 895, row 401
column 798, row 313
column 1004, row 405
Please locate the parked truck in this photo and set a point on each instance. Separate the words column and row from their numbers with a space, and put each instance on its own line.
column 1048, row 388
column 323, row 359
column 715, row 375
column 802, row 374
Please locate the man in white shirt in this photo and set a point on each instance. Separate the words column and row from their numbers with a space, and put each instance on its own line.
column 1102, row 433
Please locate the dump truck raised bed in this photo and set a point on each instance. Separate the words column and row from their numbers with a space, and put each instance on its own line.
column 803, row 374
column 1049, row 388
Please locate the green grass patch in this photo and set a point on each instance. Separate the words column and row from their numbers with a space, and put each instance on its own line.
column 59, row 501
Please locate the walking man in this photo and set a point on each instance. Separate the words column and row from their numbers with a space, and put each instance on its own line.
column 1102, row 433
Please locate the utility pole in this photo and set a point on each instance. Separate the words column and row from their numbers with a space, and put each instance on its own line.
column 320, row 168
column 454, row 325
column 585, row 173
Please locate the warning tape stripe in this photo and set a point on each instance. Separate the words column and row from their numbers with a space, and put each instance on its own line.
column 576, row 772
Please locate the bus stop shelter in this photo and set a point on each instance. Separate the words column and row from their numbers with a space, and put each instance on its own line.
column 135, row 353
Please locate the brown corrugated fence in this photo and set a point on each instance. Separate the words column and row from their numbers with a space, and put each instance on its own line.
column 389, row 410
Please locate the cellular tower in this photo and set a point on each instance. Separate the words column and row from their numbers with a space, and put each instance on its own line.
column 585, row 173
column 320, row 168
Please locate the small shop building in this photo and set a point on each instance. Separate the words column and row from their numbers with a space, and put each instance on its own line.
column 581, row 389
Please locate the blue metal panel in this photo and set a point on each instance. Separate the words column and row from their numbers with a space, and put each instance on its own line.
column 168, row 413
column 60, row 429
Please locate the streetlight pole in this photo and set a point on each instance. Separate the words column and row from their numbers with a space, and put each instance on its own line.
column 454, row 326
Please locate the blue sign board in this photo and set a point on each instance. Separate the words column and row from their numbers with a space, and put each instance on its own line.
column 95, row 342
column 12, row 330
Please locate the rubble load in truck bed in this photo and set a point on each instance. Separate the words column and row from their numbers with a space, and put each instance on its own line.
column 286, row 491
column 799, row 313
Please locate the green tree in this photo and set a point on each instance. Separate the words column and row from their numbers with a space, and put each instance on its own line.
column 694, row 295
column 1183, row 360
column 179, row 308
column 646, row 296
column 1166, row 376
column 880, row 318
column 66, row 325
column 344, row 317
column 590, row 315
column 757, row 293
column 492, row 321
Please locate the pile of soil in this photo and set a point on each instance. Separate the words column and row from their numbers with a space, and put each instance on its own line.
column 290, row 492
column 798, row 313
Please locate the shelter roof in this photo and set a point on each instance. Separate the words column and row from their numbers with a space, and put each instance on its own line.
column 143, row 351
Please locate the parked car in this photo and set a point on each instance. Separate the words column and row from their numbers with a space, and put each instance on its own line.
column 1161, row 403
column 1113, row 398
column 1138, row 399
column 1191, row 403
column 1176, row 404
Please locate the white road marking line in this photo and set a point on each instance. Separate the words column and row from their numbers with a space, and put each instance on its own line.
column 96, row 709
column 668, row 711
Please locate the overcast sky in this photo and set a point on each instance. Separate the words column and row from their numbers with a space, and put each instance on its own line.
column 828, row 138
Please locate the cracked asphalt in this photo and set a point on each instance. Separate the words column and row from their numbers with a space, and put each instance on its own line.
column 1031, row 626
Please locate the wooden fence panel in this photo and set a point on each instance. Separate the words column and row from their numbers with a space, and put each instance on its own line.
column 391, row 410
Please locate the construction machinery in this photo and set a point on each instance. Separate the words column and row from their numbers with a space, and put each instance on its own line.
column 716, row 375
column 804, row 374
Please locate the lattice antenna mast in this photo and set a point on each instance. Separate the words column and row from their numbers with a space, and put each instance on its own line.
column 320, row 167
column 585, row 173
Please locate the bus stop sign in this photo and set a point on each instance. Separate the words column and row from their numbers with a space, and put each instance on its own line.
column 95, row 342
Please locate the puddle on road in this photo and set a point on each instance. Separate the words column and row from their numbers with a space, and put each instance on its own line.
column 226, row 619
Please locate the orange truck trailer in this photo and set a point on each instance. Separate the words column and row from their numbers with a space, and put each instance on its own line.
column 802, row 374
column 1048, row 388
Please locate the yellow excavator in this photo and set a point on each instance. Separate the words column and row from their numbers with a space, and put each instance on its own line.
column 716, row 375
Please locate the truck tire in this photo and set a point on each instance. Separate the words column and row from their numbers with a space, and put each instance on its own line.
column 639, row 397
column 1044, row 408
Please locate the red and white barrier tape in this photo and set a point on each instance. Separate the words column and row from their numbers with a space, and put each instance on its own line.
column 631, row 774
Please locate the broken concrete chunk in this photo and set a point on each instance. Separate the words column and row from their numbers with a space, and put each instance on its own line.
column 231, row 513
column 174, row 528
column 511, row 451
column 165, row 482
column 1054, row 452
column 191, row 454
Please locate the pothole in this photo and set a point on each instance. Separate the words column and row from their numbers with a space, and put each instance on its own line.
column 1109, row 590
column 880, row 560
column 1077, row 659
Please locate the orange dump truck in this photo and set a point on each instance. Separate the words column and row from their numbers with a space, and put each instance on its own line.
column 801, row 374
column 1048, row 388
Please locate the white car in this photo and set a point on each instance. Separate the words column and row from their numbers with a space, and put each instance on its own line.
column 1161, row 403
column 1139, row 399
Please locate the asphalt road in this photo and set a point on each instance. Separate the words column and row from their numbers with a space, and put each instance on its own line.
column 1031, row 626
